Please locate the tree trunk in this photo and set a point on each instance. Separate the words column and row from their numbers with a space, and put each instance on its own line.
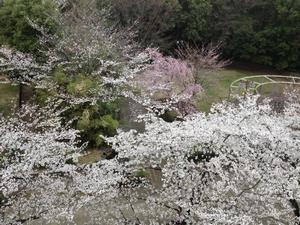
column 20, row 95
column 25, row 94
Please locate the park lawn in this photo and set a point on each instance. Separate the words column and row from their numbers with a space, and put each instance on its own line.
column 8, row 98
column 216, row 88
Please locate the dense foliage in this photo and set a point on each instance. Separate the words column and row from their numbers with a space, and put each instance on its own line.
column 265, row 31
column 15, row 29
column 94, row 121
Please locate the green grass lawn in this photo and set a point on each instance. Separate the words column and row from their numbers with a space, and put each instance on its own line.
column 217, row 87
column 8, row 98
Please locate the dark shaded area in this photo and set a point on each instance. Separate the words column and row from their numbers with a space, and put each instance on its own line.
column 25, row 94
column 296, row 207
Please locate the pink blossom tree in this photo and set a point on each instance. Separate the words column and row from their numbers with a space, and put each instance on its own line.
column 204, row 57
column 174, row 82
column 169, row 82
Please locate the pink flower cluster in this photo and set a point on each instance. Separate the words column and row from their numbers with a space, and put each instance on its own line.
column 174, row 77
column 174, row 70
column 169, row 79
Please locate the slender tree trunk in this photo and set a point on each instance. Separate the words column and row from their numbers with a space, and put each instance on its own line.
column 20, row 95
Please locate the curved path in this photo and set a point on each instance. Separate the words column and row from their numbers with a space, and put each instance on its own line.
column 252, row 84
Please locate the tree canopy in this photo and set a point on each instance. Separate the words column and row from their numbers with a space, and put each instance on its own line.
column 238, row 165
column 265, row 31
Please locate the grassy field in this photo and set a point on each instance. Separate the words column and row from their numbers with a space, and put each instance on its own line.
column 217, row 87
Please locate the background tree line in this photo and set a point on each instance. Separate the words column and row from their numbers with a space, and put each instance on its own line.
column 264, row 31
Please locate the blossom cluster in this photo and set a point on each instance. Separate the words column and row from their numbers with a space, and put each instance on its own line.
column 237, row 165
column 21, row 67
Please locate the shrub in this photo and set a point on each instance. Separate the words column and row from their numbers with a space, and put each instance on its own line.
column 93, row 121
column 60, row 77
column 82, row 86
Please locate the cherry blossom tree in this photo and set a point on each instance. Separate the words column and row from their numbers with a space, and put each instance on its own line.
column 237, row 165
column 21, row 67
column 204, row 57
column 84, row 44
column 87, row 45
column 39, row 170
column 175, row 82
